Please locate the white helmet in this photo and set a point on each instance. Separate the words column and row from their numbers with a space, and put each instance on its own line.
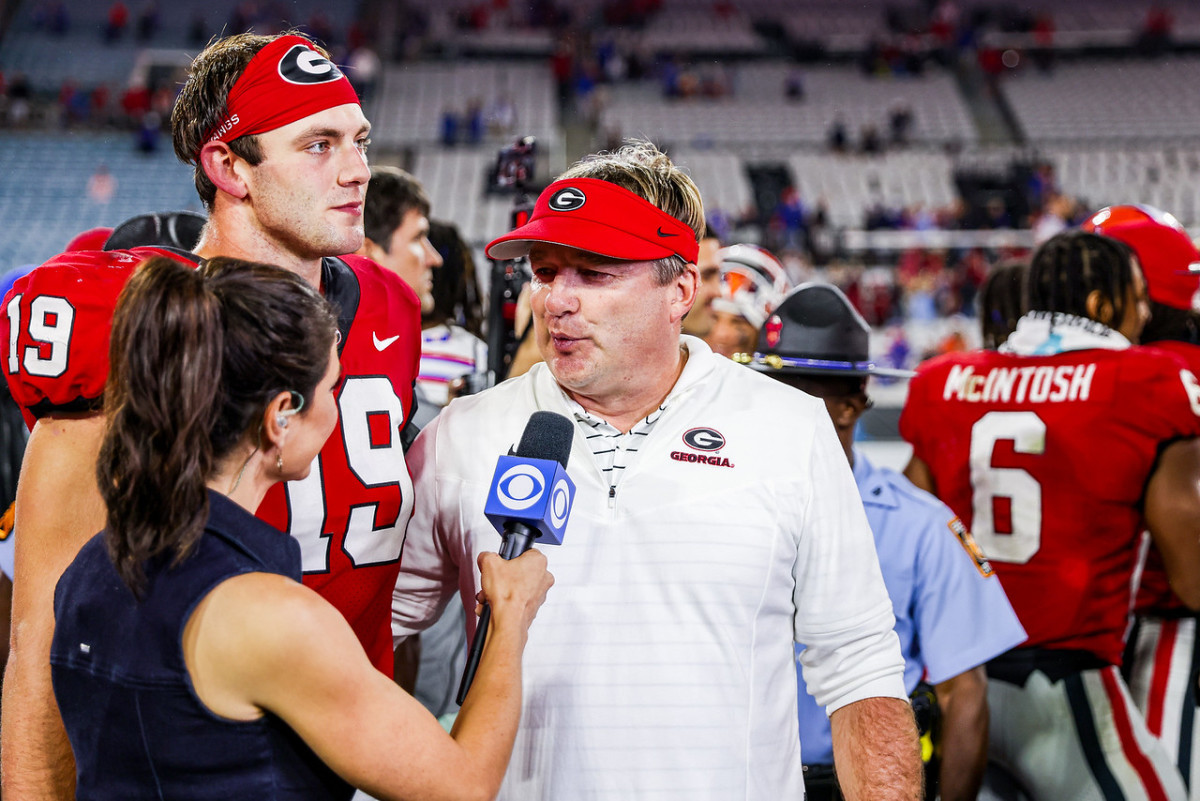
column 753, row 283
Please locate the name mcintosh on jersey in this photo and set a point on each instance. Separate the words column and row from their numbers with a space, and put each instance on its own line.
column 1065, row 382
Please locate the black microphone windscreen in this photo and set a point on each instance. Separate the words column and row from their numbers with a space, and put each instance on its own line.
column 547, row 435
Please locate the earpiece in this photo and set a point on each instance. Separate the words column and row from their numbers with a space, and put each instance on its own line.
column 297, row 405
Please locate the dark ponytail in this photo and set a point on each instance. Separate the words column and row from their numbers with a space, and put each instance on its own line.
column 195, row 357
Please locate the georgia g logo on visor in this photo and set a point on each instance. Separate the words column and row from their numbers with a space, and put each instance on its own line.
column 703, row 439
column 567, row 199
column 520, row 487
column 303, row 65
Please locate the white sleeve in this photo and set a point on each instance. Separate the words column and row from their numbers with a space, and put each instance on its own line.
column 843, row 613
column 428, row 568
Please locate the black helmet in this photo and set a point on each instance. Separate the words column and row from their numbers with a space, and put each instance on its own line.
column 175, row 229
column 815, row 331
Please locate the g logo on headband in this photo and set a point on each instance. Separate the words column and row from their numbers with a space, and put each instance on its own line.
column 567, row 199
column 304, row 65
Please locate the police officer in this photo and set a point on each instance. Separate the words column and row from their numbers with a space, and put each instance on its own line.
column 951, row 613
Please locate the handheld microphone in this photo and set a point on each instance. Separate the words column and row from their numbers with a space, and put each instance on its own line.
column 530, row 499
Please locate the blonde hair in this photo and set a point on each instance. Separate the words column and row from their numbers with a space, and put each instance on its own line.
column 640, row 167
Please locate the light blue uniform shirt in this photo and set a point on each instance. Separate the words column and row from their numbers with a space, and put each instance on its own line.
column 951, row 613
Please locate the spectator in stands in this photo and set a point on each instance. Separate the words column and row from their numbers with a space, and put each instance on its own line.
column 1056, row 215
column 450, row 123
column 900, row 122
column 869, row 143
column 364, row 69
column 837, row 138
column 197, row 30
column 118, row 18
column 501, row 116
column 101, row 185
column 790, row 219
column 1155, row 37
column 147, row 21
column 793, row 85
column 951, row 614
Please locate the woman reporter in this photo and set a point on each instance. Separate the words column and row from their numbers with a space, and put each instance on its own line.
column 188, row 660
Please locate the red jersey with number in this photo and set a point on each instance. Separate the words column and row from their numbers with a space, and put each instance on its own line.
column 1045, row 459
column 349, row 514
column 1155, row 596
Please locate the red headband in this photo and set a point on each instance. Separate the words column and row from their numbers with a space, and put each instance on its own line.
column 285, row 81
column 599, row 217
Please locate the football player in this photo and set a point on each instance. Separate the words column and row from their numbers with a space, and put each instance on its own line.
column 278, row 140
column 1161, row 661
column 1052, row 450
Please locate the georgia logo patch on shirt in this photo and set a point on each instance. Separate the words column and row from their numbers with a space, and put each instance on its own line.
column 705, row 440
column 972, row 548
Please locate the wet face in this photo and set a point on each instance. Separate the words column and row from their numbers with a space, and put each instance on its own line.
column 606, row 329
column 700, row 319
column 412, row 256
column 307, row 193
column 731, row 333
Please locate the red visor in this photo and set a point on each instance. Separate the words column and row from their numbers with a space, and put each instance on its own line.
column 599, row 217
column 285, row 81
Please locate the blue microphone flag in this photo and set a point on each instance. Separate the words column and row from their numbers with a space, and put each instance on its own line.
column 536, row 492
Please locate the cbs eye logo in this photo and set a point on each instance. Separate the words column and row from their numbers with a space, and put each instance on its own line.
column 304, row 65
column 520, row 487
column 560, row 504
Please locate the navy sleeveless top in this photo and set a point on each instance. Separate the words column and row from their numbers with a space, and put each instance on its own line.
column 136, row 726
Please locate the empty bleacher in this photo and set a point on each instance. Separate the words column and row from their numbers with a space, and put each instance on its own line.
column 757, row 111
column 413, row 97
column 1108, row 100
column 43, row 189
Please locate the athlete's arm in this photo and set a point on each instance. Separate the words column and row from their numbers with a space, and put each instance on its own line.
column 875, row 751
column 357, row 720
column 1172, row 510
column 963, row 701
column 58, row 509
column 919, row 473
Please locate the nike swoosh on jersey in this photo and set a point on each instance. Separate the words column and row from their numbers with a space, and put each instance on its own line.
column 382, row 344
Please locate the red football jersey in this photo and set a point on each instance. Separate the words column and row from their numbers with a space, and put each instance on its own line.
column 350, row 513
column 1155, row 596
column 1044, row 458
column 57, row 321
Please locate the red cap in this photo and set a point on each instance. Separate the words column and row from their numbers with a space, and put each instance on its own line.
column 1168, row 257
column 91, row 239
column 599, row 217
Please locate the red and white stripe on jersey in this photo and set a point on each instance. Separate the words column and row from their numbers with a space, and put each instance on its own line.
column 1162, row 666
